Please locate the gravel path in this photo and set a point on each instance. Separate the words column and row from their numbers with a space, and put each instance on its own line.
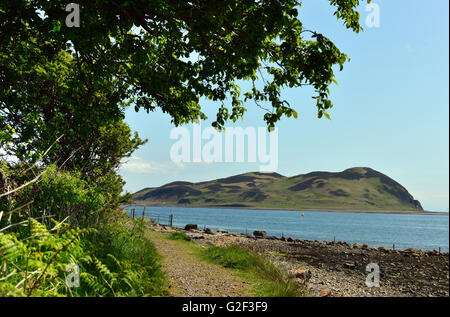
column 192, row 277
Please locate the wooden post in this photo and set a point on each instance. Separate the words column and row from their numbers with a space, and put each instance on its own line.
column 171, row 221
column 393, row 247
column 133, row 211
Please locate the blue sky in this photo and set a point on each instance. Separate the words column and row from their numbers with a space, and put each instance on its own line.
column 391, row 109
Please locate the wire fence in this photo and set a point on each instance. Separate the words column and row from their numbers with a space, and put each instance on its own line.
column 163, row 219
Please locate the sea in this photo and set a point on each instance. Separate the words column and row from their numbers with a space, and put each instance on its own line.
column 399, row 231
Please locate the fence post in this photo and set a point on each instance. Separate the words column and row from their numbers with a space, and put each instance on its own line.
column 133, row 211
column 171, row 221
column 393, row 247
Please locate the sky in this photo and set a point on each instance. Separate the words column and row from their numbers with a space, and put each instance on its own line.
column 391, row 109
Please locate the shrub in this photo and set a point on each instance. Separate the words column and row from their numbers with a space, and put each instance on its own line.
column 113, row 261
column 64, row 194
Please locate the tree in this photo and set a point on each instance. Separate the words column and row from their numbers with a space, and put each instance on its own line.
column 169, row 54
column 76, row 82
column 44, row 97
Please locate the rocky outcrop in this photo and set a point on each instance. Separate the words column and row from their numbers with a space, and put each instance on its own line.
column 191, row 226
column 260, row 234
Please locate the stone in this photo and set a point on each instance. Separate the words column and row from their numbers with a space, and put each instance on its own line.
column 365, row 246
column 349, row 265
column 289, row 240
column 302, row 274
column 325, row 292
column 222, row 231
column 191, row 226
column 209, row 231
column 260, row 234
column 357, row 246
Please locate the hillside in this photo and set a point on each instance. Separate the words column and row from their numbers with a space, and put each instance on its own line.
column 358, row 188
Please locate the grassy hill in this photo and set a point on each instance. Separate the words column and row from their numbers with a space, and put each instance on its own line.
column 358, row 188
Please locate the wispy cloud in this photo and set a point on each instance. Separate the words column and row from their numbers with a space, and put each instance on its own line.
column 138, row 165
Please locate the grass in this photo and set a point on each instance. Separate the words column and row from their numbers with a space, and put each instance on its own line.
column 132, row 258
column 269, row 280
column 179, row 236
column 266, row 279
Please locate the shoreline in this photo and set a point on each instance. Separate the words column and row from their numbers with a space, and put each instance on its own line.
column 340, row 267
column 291, row 239
column 383, row 212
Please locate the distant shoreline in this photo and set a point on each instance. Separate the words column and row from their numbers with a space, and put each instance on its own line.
column 386, row 212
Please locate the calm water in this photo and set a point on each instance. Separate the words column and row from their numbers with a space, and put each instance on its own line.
column 405, row 231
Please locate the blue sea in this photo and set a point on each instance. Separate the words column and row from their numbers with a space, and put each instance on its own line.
column 405, row 231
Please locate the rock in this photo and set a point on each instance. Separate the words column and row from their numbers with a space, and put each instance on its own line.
column 325, row 293
column 349, row 265
column 249, row 236
column 357, row 246
column 302, row 274
column 260, row 234
column 222, row 231
column 209, row 231
column 384, row 249
column 289, row 240
column 191, row 226
column 365, row 246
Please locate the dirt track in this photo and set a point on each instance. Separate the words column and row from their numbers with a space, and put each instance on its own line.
column 191, row 277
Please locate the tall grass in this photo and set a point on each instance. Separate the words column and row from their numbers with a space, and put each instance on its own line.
column 179, row 236
column 113, row 260
column 134, row 258
column 270, row 280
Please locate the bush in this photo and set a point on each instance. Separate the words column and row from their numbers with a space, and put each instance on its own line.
column 63, row 194
column 113, row 261
column 35, row 264
column 131, row 261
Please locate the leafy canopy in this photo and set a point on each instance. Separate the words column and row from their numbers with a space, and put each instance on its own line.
column 169, row 54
